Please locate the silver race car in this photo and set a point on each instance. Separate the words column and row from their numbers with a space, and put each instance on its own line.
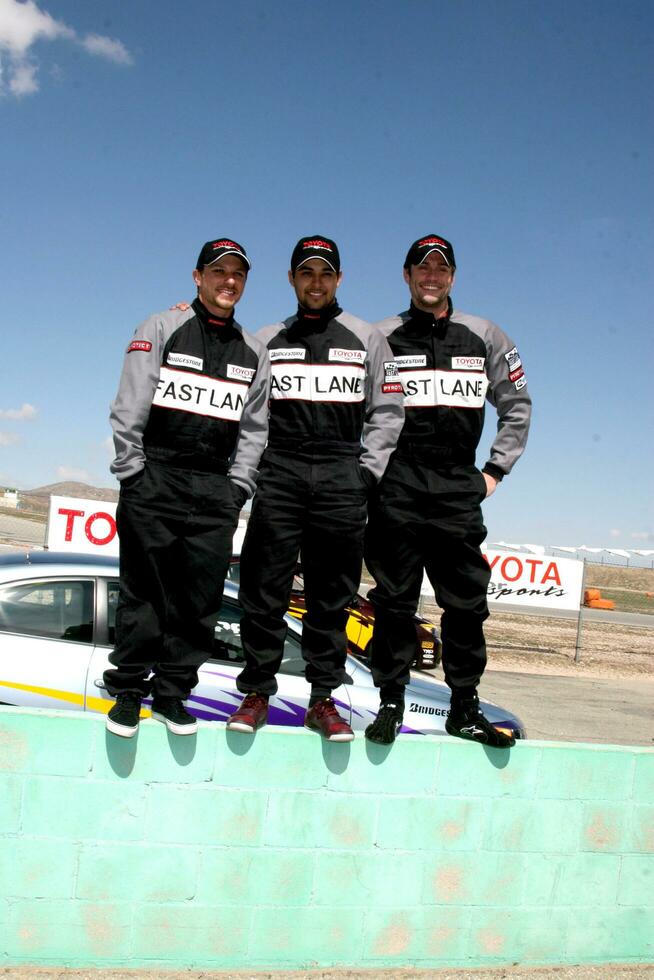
column 57, row 616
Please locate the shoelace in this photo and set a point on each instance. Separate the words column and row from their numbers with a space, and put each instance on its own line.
column 326, row 707
column 254, row 701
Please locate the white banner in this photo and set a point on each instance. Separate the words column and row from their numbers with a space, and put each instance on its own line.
column 530, row 580
column 89, row 527
column 82, row 526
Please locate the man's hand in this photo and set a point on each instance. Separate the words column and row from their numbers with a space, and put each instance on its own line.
column 180, row 306
column 491, row 484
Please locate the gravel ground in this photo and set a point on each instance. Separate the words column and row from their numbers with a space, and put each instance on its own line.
column 611, row 972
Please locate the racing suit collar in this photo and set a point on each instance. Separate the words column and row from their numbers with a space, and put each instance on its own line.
column 317, row 317
column 426, row 322
column 210, row 318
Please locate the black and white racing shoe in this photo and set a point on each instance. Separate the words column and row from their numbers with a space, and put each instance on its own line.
column 466, row 720
column 387, row 723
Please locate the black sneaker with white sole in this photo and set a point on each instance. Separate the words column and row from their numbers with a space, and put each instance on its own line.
column 466, row 720
column 173, row 714
column 387, row 723
column 123, row 718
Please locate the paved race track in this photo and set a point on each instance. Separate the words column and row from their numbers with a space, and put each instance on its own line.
column 614, row 711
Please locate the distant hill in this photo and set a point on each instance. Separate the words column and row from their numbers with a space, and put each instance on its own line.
column 37, row 501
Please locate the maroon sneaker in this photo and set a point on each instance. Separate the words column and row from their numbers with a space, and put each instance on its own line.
column 324, row 718
column 251, row 714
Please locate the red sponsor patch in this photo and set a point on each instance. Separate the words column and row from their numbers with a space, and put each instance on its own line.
column 392, row 386
column 143, row 345
column 514, row 375
column 317, row 243
column 430, row 241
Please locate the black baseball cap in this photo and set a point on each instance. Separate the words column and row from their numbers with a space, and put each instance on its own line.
column 316, row 247
column 424, row 246
column 215, row 249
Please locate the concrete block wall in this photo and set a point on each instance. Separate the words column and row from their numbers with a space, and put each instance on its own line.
column 226, row 851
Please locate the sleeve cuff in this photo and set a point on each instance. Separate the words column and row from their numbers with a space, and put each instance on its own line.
column 493, row 471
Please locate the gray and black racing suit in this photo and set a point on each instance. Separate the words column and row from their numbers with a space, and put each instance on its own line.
column 189, row 424
column 426, row 515
column 335, row 416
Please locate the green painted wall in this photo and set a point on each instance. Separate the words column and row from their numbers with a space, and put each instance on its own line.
column 224, row 851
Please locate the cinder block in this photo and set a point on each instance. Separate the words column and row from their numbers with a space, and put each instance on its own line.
column 644, row 777
column 137, row 872
column 591, row 772
column 637, row 880
column 407, row 767
column 154, row 755
column 641, row 829
column 605, row 827
column 33, row 741
column 205, row 815
column 468, row 769
column 68, row 932
column 367, row 879
column 533, row 825
column 184, row 936
column 588, row 879
column 83, row 809
column 11, row 788
column 610, row 934
column 473, row 879
column 271, row 759
column 501, row 935
column 434, row 823
column 36, row 868
column 320, row 819
column 415, row 934
column 304, row 936
column 541, row 885
column 248, row 876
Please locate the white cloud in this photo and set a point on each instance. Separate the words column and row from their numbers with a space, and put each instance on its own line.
column 642, row 536
column 72, row 473
column 615, row 532
column 109, row 448
column 22, row 25
column 23, row 79
column 22, row 414
column 8, row 439
column 107, row 47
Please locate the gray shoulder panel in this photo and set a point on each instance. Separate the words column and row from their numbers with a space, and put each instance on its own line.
column 138, row 381
column 265, row 334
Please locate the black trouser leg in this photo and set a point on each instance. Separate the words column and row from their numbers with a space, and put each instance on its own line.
column 175, row 530
column 268, row 561
column 332, row 556
column 393, row 558
column 428, row 517
column 314, row 506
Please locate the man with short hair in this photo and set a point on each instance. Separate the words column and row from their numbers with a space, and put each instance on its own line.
column 426, row 516
column 335, row 416
column 189, row 425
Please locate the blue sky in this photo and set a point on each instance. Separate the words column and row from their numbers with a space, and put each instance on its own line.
column 134, row 132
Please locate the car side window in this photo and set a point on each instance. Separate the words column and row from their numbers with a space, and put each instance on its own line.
column 228, row 647
column 57, row 610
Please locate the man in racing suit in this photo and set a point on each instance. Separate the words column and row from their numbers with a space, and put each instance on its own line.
column 189, row 424
column 426, row 515
column 335, row 416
